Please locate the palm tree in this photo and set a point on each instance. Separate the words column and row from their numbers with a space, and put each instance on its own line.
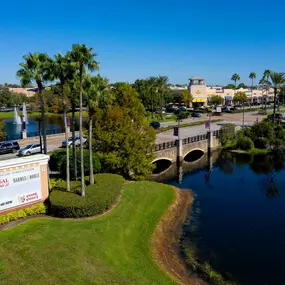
column 35, row 69
column 61, row 69
column 152, row 85
column 73, row 87
column 252, row 76
column 97, row 96
column 263, row 83
column 162, row 88
column 235, row 78
column 266, row 75
column 83, row 59
column 277, row 80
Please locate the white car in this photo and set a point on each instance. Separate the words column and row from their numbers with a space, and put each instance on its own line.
column 30, row 149
column 76, row 141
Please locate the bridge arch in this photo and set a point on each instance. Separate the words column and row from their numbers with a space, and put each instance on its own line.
column 162, row 165
column 162, row 158
column 193, row 155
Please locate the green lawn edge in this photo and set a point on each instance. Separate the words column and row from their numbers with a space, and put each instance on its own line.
column 115, row 248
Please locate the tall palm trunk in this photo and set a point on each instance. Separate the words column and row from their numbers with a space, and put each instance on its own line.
column 91, row 174
column 66, row 139
column 42, row 106
column 80, row 134
column 274, row 105
column 73, row 144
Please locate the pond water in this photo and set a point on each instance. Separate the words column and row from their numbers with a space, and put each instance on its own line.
column 54, row 124
column 238, row 216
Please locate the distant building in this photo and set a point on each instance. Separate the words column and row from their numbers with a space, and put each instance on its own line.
column 202, row 93
column 27, row 91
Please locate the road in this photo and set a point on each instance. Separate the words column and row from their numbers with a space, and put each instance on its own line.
column 54, row 142
column 194, row 130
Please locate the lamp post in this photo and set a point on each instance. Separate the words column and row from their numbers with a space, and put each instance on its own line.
column 40, row 135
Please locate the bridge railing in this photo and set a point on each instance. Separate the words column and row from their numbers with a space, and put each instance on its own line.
column 165, row 145
column 172, row 144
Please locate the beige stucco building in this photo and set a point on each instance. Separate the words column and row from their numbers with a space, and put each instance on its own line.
column 202, row 93
column 27, row 91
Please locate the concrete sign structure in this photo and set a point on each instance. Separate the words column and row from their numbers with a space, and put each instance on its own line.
column 23, row 182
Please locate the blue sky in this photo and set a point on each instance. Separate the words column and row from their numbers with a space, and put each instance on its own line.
column 137, row 39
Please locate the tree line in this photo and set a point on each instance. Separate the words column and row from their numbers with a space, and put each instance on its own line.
column 117, row 130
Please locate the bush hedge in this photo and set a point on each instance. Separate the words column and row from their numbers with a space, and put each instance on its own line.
column 98, row 197
column 245, row 143
column 57, row 162
column 22, row 213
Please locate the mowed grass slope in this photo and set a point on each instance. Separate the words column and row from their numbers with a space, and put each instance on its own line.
column 112, row 249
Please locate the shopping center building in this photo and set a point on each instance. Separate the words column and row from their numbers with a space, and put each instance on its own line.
column 202, row 93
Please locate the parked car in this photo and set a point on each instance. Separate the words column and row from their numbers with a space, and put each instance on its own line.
column 9, row 147
column 195, row 115
column 162, row 111
column 30, row 149
column 155, row 125
column 183, row 108
column 69, row 142
column 76, row 141
column 277, row 117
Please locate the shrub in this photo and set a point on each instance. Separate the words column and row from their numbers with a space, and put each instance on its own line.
column 99, row 197
column 261, row 142
column 58, row 162
column 22, row 213
column 182, row 115
column 227, row 133
column 245, row 143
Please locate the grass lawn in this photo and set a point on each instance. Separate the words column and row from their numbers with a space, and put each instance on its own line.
column 111, row 249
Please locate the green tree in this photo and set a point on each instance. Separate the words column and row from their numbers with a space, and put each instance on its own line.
column 97, row 95
column 61, row 68
column 264, row 86
column 73, row 85
column 5, row 97
column 144, row 91
column 152, row 82
column 240, row 97
column 241, row 85
column 227, row 134
column 186, row 97
column 266, row 75
column 162, row 89
column 83, row 59
column 123, row 138
column 235, row 78
column 217, row 100
column 34, row 69
column 229, row 86
column 3, row 135
column 277, row 81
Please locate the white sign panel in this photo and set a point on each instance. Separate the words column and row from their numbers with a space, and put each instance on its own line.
column 19, row 187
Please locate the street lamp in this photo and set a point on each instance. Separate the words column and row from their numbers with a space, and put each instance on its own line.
column 40, row 127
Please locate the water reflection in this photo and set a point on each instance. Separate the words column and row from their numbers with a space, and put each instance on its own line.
column 237, row 220
column 51, row 122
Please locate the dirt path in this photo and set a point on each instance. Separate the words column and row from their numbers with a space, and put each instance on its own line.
column 165, row 240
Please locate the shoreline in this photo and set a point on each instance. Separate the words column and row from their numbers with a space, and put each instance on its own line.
column 165, row 244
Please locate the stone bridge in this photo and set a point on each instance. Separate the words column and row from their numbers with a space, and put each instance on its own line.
column 178, row 150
